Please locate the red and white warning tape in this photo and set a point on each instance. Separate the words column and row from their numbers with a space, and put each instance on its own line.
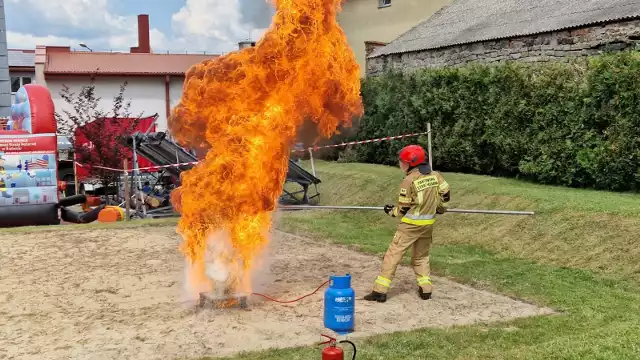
column 148, row 168
column 156, row 168
column 387, row 138
column 98, row 167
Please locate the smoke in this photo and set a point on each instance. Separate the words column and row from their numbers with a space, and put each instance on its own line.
column 220, row 269
column 190, row 289
column 261, row 276
column 223, row 266
column 308, row 133
column 223, row 269
column 309, row 136
column 256, row 13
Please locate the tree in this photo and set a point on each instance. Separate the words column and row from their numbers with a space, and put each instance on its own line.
column 96, row 135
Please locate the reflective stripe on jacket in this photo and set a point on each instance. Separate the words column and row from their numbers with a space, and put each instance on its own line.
column 419, row 197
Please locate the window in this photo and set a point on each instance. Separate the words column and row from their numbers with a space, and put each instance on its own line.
column 15, row 84
column 384, row 3
column 18, row 81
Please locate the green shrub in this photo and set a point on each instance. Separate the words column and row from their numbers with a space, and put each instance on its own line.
column 574, row 124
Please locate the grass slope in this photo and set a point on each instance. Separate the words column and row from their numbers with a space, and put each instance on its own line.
column 579, row 255
column 572, row 227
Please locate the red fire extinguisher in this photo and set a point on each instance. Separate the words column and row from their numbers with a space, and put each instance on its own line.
column 333, row 352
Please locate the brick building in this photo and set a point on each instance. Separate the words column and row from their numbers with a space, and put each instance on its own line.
column 490, row 31
column 154, row 80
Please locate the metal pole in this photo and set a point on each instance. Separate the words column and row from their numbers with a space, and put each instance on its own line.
column 460, row 211
column 136, row 173
column 429, row 144
column 135, row 162
column 313, row 165
column 127, row 204
column 76, row 189
column 155, row 118
column 326, row 207
column 496, row 212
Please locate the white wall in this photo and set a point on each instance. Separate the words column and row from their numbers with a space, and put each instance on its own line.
column 365, row 20
column 175, row 90
column 147, row 94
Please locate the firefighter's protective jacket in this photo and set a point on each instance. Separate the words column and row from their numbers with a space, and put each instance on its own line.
column 422, row 193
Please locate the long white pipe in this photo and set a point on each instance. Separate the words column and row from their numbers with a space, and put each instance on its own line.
column 462, row 211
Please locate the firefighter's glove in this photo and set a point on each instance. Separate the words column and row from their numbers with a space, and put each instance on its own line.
column 441, row 210
column 388, row 209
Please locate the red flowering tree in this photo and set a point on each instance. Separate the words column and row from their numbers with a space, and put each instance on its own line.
column 96, row 134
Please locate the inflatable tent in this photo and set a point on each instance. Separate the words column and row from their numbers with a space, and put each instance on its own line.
column 28, row 161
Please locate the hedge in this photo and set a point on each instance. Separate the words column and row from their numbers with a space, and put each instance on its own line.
column 573, row 124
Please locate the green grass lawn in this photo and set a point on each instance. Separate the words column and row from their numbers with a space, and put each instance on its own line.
column 580, row 254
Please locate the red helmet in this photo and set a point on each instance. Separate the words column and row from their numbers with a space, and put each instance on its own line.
column 413, row 155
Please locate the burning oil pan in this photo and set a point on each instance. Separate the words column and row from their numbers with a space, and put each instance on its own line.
column 213, row 301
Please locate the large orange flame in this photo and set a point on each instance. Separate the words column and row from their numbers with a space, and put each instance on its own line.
column 245, row 107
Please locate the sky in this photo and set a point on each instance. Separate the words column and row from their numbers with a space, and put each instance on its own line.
column 194, row 26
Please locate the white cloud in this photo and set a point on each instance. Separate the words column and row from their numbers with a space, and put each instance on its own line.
column 113, row 42
column 215, row 25
column 209, row 18
column 82, row 14
column 28, row 41
column 105, row 31
column 157, row 39
column 200, row 25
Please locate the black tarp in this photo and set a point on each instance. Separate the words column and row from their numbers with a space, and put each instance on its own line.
column 161, row 151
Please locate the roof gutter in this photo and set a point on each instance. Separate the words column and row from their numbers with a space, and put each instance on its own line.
column 54, row 75
column 22, row 68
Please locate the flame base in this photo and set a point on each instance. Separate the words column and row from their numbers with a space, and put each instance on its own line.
column 209, row 300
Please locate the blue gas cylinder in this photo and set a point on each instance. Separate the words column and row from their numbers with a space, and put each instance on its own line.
column 339, row 305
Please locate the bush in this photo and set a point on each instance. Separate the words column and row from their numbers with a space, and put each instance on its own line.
column 574, row 124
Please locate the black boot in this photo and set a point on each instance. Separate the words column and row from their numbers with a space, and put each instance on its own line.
column 376, row 296
column 423, row 295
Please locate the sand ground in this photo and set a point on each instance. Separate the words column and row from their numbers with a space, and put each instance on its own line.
column 116, row 294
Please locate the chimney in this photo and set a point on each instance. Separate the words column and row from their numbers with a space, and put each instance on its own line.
column 144, row 45
column 246, row 44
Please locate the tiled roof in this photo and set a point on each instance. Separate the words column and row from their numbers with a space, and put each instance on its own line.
column 21, row 58
column 469, row 21
column 107, row 63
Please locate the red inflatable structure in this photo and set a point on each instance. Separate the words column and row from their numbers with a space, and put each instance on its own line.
column 28, row 161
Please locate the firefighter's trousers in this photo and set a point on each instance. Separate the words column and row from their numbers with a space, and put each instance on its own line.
column 418, row 238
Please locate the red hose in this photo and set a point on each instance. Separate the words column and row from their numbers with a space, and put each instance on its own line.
column 294, row 300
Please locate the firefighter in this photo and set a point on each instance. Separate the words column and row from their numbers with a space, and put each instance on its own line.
column 423, row 194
